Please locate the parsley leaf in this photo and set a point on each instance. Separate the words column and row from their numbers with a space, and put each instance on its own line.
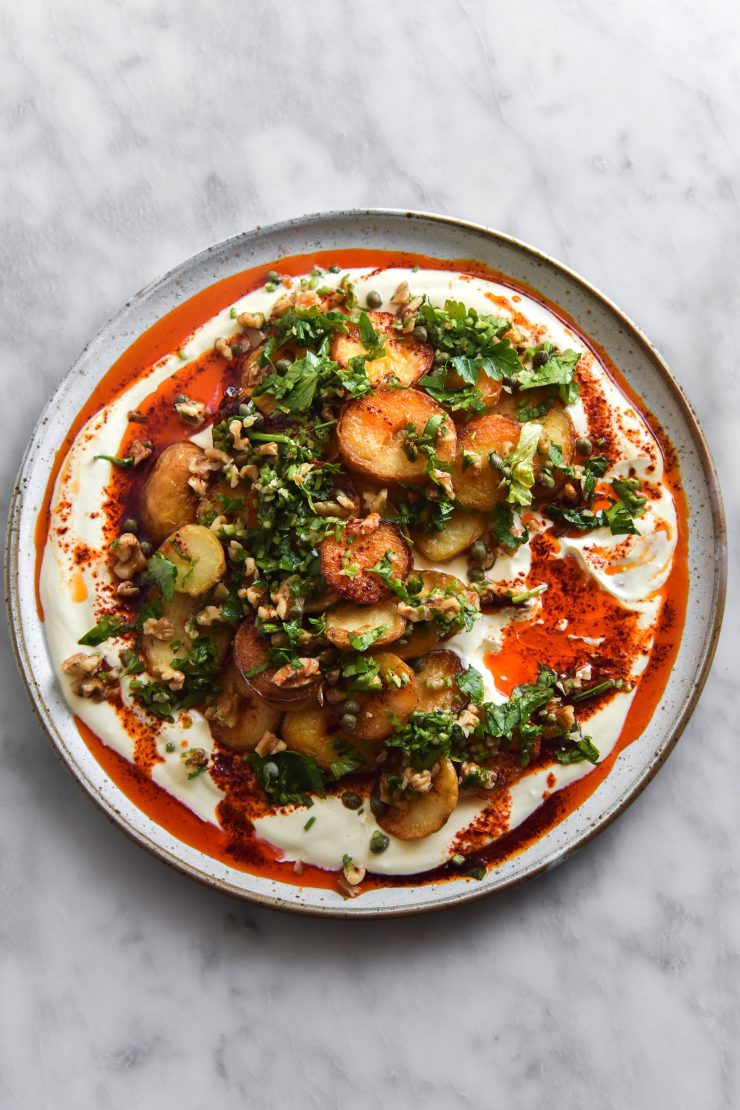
column 361, row 641
column 507, row 527
column 106, row 627
column 162, row 573
column 470, row 683
column 521, row 461
column 559, row 369
column 288, row 778
column 373, row 343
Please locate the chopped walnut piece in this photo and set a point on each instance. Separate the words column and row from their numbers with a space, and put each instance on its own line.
column 445, row 481
column 281, row 306
column 469, row 718
column 251, row 320
column 174, row 680
column 353, row 873
column 418, row 781
column 402, row 295
column 370, row 524
column 140, row 450
column 223, row 348
column 160, row 628
column 269, row 744
column 192, row 413
column 129, row 558
column 211, row 614
column 127, row 589
column 195, row 759
column 375, row 502
column 289, row 675
column 270, row 448
column 88, row 678
column 565, row 715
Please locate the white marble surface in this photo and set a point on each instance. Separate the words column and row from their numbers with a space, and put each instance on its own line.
column 134, row 135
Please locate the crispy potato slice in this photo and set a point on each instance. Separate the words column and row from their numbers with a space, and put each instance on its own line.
column 222, row 494
column 347, row 620
column 159, row 654
column 462, row 529
column 477, row 484
column 346, row 562
column 250, row 652
column 167, row 501
column 239, row 718
column 198, row 556
column 435, row 682
column 424, row 814
column 557, row 428
column 398, row 698
column 417, row 641
column 372, row 435
column 405, row 358
column 314, row 732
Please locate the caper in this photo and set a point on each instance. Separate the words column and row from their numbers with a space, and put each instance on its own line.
column 146, row 547
column 271, row 770
column 130, row 525
column 495, row 461
column 506, row 471
column 373, row 299
column 420, row 333
column 349, row 721
column 351, row 800
column 540, row 358
column 476, row 574
column 584, row 446
column 440, row 358
column 352, row 706
column 478, row 551
column 379, row 842
column 547, row 480
column 283, row 365
column 273, row 277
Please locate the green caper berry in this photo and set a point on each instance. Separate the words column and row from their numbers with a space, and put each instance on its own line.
column 244, row 410
column 540, row 358
column 283, row 365
column 420, row 333
column 584, row 446
column 478, row 551
column 350, row 800
column 146, row 547
column 379, row 842
column 334, row 269
column 476, row 574
column 373, row 299
column 349, row 721
column 352, row 706
column 440, row 358
column 377, row 807
column 270, row 287
column 547, row 480
column 130, row 525
column 495, row 461
column 169, row 746
column 273, row 277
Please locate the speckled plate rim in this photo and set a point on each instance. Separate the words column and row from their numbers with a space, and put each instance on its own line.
column 433, row 235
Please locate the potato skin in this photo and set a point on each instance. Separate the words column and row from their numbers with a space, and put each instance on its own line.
column 363, row 550
column 167, row 501
column 424, row 814
column 479, row 486
column 424, row 636
column 250, row 651
column 371, row 430
column 406, row 358
column 461, row 530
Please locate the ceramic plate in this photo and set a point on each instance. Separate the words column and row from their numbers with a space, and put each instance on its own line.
column 644, row 370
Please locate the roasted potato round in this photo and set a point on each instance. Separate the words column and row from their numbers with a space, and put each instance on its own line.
column 179, row 610
column 421, row 815
column 398, row 699
column 374, row 437
column 461, row 530
column 477, row 484
column 250, row 652
column 436, row 683
column 346, row 562
column 405, row 358
column 313, row 732
column 348, row 620
column 557, row 428
column 167, row 501
column 198, row 557
column 238, row 717
column 488, row 387
column 416, row 641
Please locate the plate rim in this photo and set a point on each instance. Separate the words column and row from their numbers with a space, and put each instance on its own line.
column 469, row 893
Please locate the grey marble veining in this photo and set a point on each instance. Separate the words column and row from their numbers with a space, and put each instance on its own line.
column 136, row 134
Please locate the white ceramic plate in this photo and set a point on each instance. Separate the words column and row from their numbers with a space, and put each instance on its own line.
column 439, row 236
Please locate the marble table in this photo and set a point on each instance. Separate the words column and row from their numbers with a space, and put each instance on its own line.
column 134, row 135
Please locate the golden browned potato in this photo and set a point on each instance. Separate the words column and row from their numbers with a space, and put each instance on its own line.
column 374, row 439
column 198, row 557
column 436, row 682
column 346, row 562
column 417, row 641
column 250, row 652
column 461, row 530
column 223, row 494
column 477, row 483
column 167, row 501
column 488, row 387
column 439, row 584
column 557, row 428
column 405, row 358
column 398, row 699
column 313, row 732
column 348, row 619
column 238, row 717
column 420, row 815
column 179, row 611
